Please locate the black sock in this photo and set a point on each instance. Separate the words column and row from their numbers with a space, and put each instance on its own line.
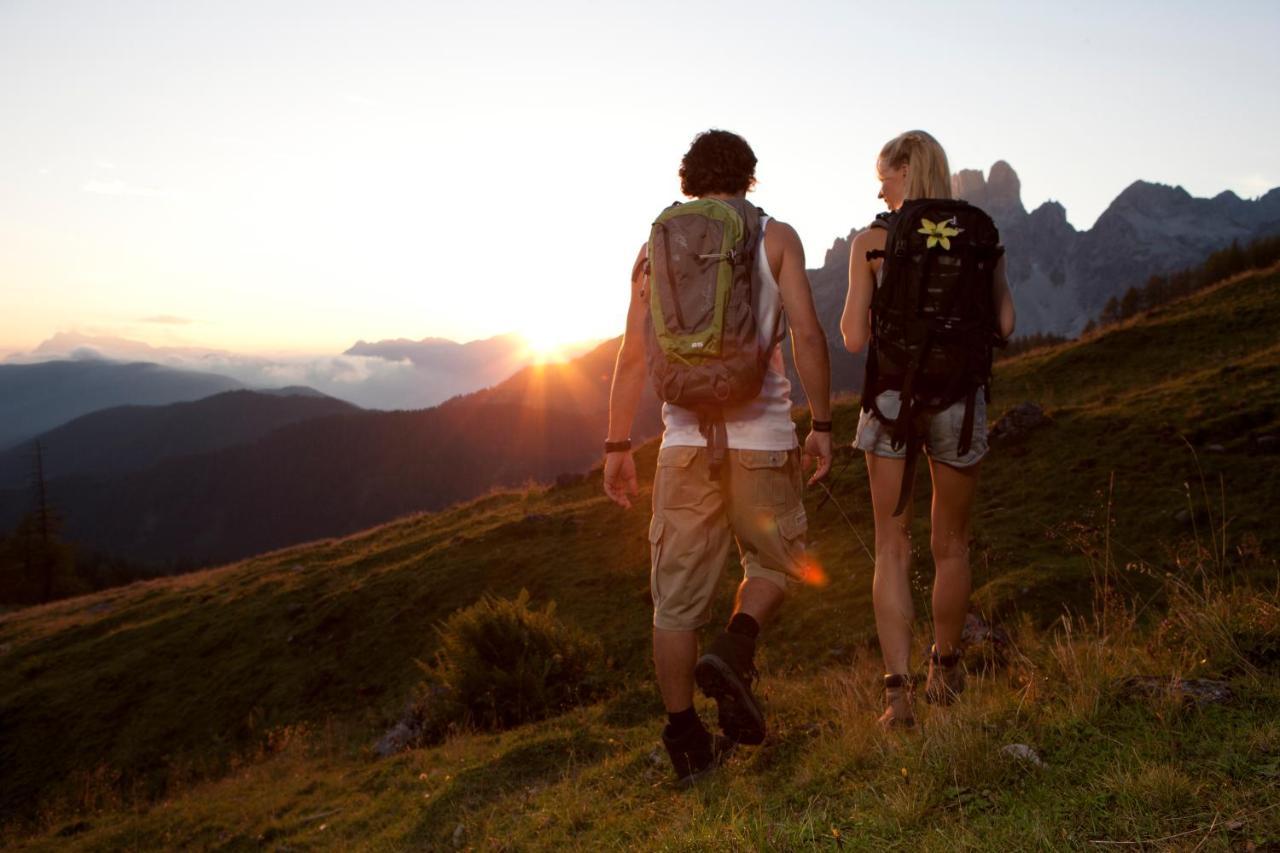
column 683, row 722
column 744, row 624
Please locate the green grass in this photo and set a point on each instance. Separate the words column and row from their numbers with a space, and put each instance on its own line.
column 236, row 707
column 1113, row 769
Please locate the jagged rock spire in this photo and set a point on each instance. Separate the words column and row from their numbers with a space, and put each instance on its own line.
column 1000, row 193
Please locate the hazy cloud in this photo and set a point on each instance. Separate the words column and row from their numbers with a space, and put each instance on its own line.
column 167, row 320
column 1254, row 185
column 120, row 188
column 371, row 381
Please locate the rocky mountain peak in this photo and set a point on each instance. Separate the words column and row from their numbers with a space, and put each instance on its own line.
column 969, row 184
column 1003, row 187
column 838, row 254
column 1148, row 196
column 1050, row 211
column 999, row 193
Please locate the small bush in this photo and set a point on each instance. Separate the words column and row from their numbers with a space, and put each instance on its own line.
column 502, row 663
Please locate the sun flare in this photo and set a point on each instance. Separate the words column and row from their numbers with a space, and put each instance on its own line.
column 545, row 345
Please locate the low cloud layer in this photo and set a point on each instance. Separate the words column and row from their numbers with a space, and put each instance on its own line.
column 413, row 380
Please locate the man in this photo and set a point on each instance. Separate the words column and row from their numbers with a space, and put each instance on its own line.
column 755, row 496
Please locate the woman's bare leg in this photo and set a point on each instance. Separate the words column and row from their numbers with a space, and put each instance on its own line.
column 891, row 587
column 953, row 493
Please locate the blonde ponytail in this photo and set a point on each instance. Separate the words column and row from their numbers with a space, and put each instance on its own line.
column 928, row 173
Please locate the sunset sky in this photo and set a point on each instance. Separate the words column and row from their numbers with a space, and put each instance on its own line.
column 294, row 176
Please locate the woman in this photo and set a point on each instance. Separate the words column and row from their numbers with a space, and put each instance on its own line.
column 914, row 166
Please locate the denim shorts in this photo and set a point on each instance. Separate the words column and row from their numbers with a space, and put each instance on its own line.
column 941, row 442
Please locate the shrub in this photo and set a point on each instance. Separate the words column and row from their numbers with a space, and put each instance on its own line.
column 502, row 663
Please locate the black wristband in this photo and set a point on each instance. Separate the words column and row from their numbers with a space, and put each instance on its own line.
column 617, row 446
column 820, row 426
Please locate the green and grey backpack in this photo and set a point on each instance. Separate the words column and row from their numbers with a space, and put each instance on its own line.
column 703, row 344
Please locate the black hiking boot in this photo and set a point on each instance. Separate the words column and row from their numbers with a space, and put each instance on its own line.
column 695, row 753
column 724, row 673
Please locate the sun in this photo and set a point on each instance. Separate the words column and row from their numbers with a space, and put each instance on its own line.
column 555, row 329
column 544, row 344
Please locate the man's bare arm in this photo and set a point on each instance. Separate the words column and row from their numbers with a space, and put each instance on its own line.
column 624, row 396
column 808, row 341
column 629, row 370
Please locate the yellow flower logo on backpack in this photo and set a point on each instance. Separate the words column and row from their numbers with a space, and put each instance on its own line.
column 939, row 233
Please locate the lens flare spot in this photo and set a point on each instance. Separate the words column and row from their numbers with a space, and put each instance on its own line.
column 812, row 574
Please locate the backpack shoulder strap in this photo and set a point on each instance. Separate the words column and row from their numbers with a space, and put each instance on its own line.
column 882, row 222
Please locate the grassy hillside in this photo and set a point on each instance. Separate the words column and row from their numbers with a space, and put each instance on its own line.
column 236, row 707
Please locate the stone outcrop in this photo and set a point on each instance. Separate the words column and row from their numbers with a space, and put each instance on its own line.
column 1018, row 421
column 999, row 195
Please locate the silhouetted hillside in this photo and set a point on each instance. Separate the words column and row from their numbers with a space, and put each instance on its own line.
column 38, row 397
column 130, row 438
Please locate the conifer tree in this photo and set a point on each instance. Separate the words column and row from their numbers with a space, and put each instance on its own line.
column 43, row 525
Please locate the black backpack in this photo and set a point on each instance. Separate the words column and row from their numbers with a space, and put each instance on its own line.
column 932, row 319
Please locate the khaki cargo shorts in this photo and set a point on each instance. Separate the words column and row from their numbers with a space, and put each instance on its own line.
column 758, row 501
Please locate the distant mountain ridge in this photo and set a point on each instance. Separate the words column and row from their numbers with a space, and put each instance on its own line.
column 129, row 438
column 332, row 474
column 1063, row 277
column 38, row 397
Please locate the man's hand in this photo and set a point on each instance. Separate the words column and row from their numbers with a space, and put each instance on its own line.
column 620, row 476
column 817, row 449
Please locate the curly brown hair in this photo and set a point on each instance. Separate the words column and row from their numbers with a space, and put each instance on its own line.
column 717, row 162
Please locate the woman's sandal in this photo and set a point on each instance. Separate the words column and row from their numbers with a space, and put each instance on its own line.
column 946, row 677
column 897, row 699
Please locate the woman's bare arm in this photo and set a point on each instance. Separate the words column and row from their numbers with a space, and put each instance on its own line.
column 1006, row 316
column 855, row 322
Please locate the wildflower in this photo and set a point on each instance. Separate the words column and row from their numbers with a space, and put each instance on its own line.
column 938, row 233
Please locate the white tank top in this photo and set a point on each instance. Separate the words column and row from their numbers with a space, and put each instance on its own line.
column 765, row 422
